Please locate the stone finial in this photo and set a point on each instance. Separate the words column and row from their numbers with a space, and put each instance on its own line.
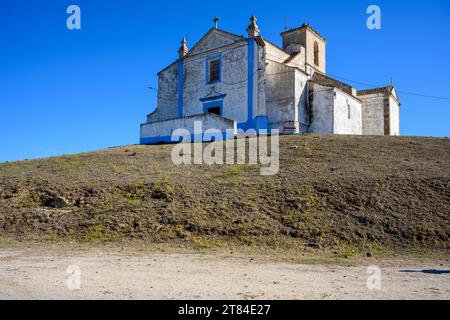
column 253, row 29
column 216, row 22
column 183, row 49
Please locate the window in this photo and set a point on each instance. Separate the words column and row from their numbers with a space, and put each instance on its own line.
column 316, row 53
column 214, row 70
column 348, row 110
column 215, row 110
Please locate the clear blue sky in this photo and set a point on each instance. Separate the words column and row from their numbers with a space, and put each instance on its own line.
column 67, row 91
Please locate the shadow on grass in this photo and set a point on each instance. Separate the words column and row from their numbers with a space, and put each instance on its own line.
column 430, row 271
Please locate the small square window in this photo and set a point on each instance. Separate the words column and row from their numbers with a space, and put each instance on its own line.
column 215, row 110
column 214, row 72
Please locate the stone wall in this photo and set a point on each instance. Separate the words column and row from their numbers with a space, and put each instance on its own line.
column 311, row 37
column 373, row 114
column 301, row 101
column 167, row 95
column 347, row 114
column 280, row 95
column 260, row 109
column 297, row 59
column 161, row 131
column 321, row 100
column 233, row 82
column 306, row 37
column 394, row 117
column 333, row 111
column 273, row 53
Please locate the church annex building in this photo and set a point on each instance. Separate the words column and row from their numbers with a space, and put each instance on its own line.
column 230, row 82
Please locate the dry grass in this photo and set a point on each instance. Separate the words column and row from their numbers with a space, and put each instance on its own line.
column 346, row 194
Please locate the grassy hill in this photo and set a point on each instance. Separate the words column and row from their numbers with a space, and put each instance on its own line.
column 337, row 192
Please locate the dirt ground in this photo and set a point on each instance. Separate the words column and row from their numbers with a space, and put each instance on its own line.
column 114, row 274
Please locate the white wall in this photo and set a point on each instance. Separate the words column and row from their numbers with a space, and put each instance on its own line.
column 394, row 117
column 301, row 100
column 259, row 83
column 274, row 53
column 165, row 128
column 343, row 103
column 233, row 84
column 321, row 102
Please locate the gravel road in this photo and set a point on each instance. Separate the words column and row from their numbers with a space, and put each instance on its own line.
column 101, row 274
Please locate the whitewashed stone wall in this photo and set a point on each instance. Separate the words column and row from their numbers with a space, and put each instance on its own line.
column 273, row 53
column 301, row 101
column 298, row 60
column 165, row 128
column 260, row 83
column 233, row 82
column 330, row 111
column 321, row 106
column 306, row 38
column 347, row 114
column 289, row 97
column 167, row 95
column 394, row 117
column 280, row 95
column 310, row 39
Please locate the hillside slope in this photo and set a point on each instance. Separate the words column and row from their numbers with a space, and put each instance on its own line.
column 331, row 192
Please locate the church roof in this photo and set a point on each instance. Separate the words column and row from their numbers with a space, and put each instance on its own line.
column 273, row 44
column 231, row 36
column 333, row 86
column 388, row 90
column 324, row 79
column 373, row 91
column 227, row 34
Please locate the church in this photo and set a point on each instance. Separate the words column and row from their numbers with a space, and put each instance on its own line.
column 231, row 82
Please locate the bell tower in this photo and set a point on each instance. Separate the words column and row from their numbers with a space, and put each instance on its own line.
column 313, row 42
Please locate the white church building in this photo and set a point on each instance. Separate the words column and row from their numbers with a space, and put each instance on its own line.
column 231, row 82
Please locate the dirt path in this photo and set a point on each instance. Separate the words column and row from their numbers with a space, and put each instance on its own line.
column 40, row 274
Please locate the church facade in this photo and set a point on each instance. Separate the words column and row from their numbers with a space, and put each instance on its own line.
column 231, row 82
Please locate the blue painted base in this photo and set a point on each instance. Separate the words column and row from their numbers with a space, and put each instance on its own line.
column 192, row 138
column 259, row 123
column 198, row 138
